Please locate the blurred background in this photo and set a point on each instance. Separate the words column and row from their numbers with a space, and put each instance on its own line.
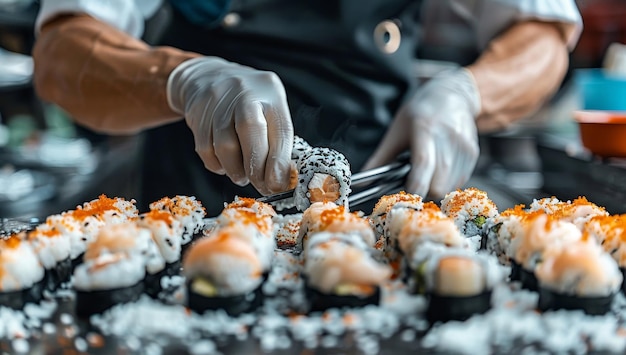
column 48, row 164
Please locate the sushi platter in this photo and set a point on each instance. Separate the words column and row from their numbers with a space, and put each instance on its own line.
column 411, row 275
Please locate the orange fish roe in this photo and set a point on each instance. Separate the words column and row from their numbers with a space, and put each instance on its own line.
column 331, row 215
column 389, row 200
column 163, row 216
column 517, row 210
column 12, row 241
column 568, row 209
column 177, row 206
column 472, row 196
column 95, row 208
column 262, row 223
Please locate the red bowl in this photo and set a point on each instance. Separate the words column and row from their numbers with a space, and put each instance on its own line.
column 603, row 132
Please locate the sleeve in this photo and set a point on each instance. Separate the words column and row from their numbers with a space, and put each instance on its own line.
column 125, row 15
column 491, row 17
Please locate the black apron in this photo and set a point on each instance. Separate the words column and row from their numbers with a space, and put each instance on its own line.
column 346, row 66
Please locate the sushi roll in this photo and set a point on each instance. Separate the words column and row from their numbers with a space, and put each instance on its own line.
column 329, row 217
column 340, row 272
column 129, row 238
column 402, row 199
column 501, row 230
column 260, row 208
column 122, row 262
column 165, row 247
column 106, row 280
column 223, row 272
column 427, row 225
column 21, row 273
column 185, row 209
column 578, row 211
column 470, row 209
column 323, row 175
column 459, row 284
column 52, row 244
column 109, row 210
column 581, row 276
column 610, row 233
column 540, row 233
column 253, row 229
column 300, row 146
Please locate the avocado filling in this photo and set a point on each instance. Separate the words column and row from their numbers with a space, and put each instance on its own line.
column 203, row 287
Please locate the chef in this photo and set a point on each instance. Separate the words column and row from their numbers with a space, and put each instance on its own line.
column 231, row 81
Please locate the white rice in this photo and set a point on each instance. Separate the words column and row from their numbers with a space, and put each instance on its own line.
column 167, row 236
column 109, row 271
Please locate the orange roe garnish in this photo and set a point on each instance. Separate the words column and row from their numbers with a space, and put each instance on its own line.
column 517, row 210
column 95, row 208
column 161, row 216
column 12, row 241
column 463, row 197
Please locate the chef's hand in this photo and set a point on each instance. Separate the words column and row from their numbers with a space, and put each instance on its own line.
column 437, row 124
column 239, row 118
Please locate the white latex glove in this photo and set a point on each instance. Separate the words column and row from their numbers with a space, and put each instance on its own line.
column 239, row 118
column 437, row 124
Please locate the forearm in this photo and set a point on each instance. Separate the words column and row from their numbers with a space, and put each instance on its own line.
column 105, row 79
column 519, row 71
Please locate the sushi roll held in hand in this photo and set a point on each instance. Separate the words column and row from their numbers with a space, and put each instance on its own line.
column 323, row 175
column 223, row 271
column 459, row 285
column 21, row 273
column 339, row 272
column 580, row 276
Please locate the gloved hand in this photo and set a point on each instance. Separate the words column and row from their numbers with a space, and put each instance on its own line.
column 239, row 118
column 437, row 124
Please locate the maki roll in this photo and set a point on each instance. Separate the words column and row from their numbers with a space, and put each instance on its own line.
column 540, row 233
column 610, row 233
column 427, row 225
column 398, row 207
column 106, row 280
column 501, row 230
column 51, row 242
column 186, row 210
column 329, row 217
column 340, row 272
column 260, row 208
column 167, row 235
column 459, row 285
column 109, row 210
column 470, row 209
column 578, row 211
column 378, row 217
column 117, row 265
column 21, row 273
column 323, row 175
column 223, row 271
column 581, row 276
column 253, row 231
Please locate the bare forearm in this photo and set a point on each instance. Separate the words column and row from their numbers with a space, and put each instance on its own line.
column 104, row 78
column 519, row 71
